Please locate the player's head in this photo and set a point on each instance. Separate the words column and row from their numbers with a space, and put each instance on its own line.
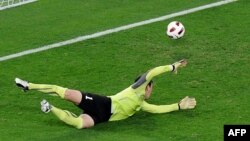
column 148, row 89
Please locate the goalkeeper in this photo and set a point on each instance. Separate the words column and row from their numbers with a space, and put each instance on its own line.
column 97, row 108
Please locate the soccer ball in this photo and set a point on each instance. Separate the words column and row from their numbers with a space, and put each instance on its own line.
column 175, row 30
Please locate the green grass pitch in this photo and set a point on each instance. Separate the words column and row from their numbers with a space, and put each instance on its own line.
column 216, row 44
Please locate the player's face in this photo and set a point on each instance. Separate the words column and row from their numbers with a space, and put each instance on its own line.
column 148, row 91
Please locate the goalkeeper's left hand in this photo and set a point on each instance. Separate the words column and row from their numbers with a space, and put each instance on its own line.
column 187, row 103
column 179, row 64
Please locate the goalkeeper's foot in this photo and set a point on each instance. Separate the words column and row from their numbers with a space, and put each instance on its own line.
column 24, row 85
column 45, row 106
column 181, row 63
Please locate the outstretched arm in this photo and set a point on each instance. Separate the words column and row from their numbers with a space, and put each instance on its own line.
column 161, row 69
column 157, row 71
column 185, row 103
column 151, row 108
column 148, row 76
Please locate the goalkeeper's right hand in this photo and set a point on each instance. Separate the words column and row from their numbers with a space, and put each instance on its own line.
column 181, row 63
column 187, row 103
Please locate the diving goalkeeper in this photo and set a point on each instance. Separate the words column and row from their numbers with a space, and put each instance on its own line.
column 97, row 108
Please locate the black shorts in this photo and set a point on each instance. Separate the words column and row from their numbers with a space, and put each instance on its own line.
column 96, row 106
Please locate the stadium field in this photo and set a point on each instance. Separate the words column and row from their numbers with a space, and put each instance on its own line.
column 216, row 45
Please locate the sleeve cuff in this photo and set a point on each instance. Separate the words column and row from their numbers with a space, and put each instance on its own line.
column 172, row 68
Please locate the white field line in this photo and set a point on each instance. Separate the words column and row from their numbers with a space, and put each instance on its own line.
column 17, row 4
column 110, row 31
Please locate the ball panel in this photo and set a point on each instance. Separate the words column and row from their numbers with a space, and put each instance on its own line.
column 172, row 29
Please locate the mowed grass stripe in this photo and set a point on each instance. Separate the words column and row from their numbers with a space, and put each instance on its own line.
column 110, row 31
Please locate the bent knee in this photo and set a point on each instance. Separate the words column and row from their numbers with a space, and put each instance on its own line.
column 73, row 96
column 80, row 124
column 84, row 124
column 68, row 94
column 88, row 122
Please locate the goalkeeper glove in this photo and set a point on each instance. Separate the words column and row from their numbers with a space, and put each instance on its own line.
column 176, row 65
column 187, row 103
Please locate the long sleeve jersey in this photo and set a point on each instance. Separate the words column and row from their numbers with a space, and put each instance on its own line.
column 127, row 102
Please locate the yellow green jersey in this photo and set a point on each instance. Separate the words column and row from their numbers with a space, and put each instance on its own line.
column 127, row 102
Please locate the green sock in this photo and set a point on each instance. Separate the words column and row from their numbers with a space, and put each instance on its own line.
column 68, row 117
column 60, row 91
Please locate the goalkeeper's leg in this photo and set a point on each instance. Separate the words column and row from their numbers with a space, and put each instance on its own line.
column 25, row 85
column 83, row 121
column 74, row 96
column 46, row 88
